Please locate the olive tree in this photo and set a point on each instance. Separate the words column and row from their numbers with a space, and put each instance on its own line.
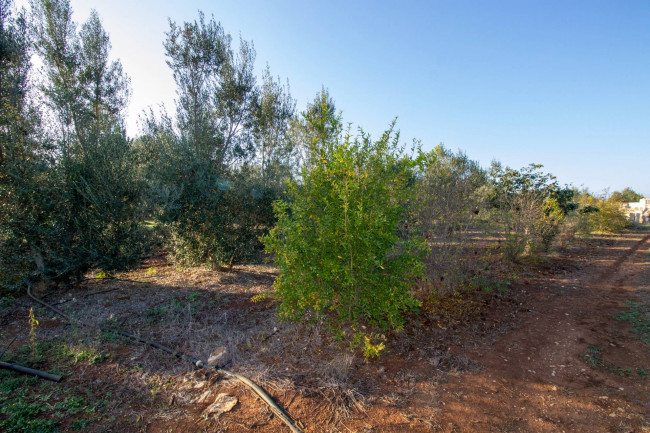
column 24, row 157
column 214, row 169
column 87, row 195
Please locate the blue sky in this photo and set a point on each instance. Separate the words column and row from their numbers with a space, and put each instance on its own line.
column 560, row 83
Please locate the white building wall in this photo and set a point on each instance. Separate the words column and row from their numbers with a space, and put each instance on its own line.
column 638, row 210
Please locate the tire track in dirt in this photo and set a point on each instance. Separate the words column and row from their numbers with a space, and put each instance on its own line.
column 561, row 367
column 614, row 268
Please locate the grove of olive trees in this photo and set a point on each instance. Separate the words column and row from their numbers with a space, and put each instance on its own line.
column 353, row 223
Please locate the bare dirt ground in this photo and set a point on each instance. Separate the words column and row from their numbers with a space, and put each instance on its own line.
column 568, row 364
column 565, row 348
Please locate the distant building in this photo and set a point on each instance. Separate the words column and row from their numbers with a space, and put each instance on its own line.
column 638, row 211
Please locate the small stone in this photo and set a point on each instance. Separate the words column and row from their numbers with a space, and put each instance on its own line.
column 223, row 403
column 199, row 385
column 204, row 397
column 217, row 356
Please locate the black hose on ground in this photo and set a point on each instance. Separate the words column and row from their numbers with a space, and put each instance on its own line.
column 25, row 370
column 197, row 362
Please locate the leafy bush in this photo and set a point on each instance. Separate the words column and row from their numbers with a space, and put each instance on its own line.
column 336, row 241
column 529, row 208
column 449, row 205
column 599, row 214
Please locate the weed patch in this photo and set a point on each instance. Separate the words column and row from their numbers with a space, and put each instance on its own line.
column 78, row 354
column 30, row 405
column 71, row 405
column 593, row 356
column 500, row 285
column 638, row 314
column 173, row 308
column 6, row 302
column 22, row 417
column 79, row 424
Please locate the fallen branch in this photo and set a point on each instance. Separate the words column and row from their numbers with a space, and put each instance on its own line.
column 39, row 373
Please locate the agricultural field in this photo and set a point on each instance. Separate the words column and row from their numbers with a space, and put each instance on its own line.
column 559, row 344
column 241, row 258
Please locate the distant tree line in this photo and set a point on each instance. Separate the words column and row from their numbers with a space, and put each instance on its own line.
column 628, row 195
column 356, row 225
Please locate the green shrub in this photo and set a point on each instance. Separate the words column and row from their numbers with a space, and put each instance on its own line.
column 609, row 217
column 528, row 208
column 599, row 214
column 336, row 241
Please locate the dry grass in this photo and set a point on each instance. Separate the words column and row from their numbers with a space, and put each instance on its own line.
column 337, row 388
column 196, row 311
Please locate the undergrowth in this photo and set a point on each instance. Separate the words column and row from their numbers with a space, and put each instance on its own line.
column 32, row 405
column 593, row 356
column 638, row 315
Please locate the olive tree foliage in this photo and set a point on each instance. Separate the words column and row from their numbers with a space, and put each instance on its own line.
column 216, row 90
column 275, row 153
column 83, row 196
column 337, row 241
column 215, row 169
column 24, row 157
column 450, row 206
column 316, row 125
column 529, row 208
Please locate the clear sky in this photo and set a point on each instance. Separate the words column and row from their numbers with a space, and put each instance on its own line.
column 562, row 83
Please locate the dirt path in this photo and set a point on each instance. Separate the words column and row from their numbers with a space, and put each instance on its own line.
column 568, row 364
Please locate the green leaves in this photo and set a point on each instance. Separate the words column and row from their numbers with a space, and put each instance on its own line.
column 215, row 170
column 532, row 207
column 69, row 194
column 628, row 195
column 336, row 240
